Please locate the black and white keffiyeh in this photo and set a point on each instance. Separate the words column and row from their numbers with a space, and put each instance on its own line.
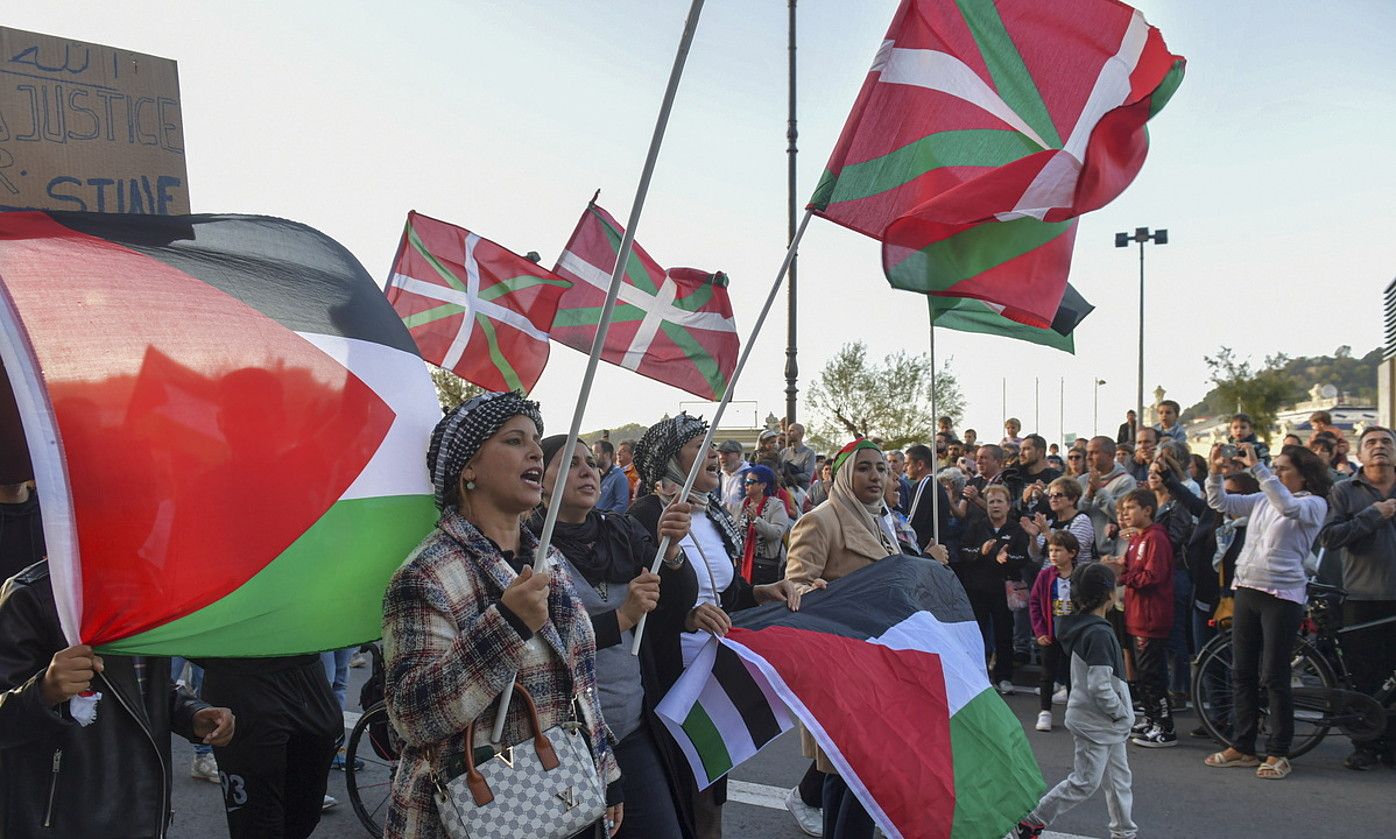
column 461, row 433
column 657, row 457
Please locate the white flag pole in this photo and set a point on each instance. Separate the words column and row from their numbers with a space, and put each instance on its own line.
column 607, row 311
column 935, row 417
column 701, row 460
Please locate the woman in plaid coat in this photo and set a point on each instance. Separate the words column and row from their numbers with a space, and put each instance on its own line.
column 465, row 613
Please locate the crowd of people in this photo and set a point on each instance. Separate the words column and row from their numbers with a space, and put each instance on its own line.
column 1106, row 563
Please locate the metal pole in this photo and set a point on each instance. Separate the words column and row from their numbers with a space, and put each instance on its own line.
column 747, row 346
column 1139, row 407
column 1061, row 411
column 608, row 310
column 1003, row 405
column 1036, row 406
column 792, row 368
column 1095, row 411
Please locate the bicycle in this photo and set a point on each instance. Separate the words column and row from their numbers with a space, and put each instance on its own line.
column 371, row 753
column 1324, row 696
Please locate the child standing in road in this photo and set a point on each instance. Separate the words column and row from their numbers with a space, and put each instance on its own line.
column 1049, row 602
column 1098, row 710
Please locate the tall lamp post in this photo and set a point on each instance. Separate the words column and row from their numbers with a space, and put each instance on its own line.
column 1095, row 414
column 792, row 368
column 1122, row 240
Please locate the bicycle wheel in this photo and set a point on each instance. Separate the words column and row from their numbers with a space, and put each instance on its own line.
column 1213, row 699
column 370, row 759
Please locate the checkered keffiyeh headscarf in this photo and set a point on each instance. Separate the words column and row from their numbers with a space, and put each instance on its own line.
column 461, row 433
column 656, row 455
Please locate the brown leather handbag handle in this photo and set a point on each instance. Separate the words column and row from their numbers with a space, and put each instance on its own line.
column 547, row 756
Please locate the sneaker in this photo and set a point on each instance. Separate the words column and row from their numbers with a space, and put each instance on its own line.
column 1028, row 829
column 1044, row 721
column 1059, row 698
column 1201, row 732
column 1155, row 738
column 1141, row 727
column 809, row 819
column 1005, row 688
column 1361, row 760
column 358, row 660
column 330, row 801
column 205, row 768
column 338, row 762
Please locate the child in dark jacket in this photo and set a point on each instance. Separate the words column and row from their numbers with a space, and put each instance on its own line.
column 1146, row 572
column 1098, row 710
column 1049, row 601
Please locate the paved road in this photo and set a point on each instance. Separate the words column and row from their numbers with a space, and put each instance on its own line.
column 1174, row 794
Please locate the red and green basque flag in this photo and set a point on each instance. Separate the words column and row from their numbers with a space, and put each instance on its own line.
column 886, row 670
column 473, row 307
column 983, row 130
column 966, row 314
column 674, row 326
column 226, row 420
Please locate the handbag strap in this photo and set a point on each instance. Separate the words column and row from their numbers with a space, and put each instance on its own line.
column 542, row 746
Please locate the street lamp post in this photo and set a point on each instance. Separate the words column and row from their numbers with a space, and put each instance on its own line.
column 1122, row 240
column 792, row 368
column 1095, row 411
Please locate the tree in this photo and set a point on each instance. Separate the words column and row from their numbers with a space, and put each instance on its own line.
column 889, row 401
column 451, row 390
column 1260, row 393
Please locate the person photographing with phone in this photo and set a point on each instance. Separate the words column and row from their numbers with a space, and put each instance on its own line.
column 1270, row 592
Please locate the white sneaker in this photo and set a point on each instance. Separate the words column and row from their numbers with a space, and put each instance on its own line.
column 1005, row 687
column 330, row 801
column 358, row 660
column 205, row 768
column 809, row 819
column 1044, row 721
column 1059, row 698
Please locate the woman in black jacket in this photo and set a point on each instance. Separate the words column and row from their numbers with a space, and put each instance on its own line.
column 608, row 557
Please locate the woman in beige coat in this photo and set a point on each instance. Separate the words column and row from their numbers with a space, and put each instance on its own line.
column 845, row 533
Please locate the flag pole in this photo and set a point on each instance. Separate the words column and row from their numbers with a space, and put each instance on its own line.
column 607, row 311
column 701, row 460
column 935, row 418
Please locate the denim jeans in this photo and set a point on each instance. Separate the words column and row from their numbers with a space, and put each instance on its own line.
column 336, row 664
column 195, row 686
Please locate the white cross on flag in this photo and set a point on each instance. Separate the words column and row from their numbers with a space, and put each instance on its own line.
column 675, row 326
column 472, row 306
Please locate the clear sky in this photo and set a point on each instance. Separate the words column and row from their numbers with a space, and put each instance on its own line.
column 1272, row 168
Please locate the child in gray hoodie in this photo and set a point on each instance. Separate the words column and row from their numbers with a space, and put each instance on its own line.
column 1099, row 711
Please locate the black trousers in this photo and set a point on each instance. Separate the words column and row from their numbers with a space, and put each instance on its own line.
column 649, row 806
column 1055, row 665
column 275, row 770
column 1263, row 629
column 812, row 787
column 1151, row 675
column 990, row 607
column 1370, row 655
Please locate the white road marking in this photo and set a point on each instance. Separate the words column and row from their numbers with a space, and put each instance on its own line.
column 351, row 719
column 773, row 798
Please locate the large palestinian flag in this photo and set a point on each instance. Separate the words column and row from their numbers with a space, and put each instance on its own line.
column 983, row 130
column 886, row 670
column 227, row 422
column 674, row 326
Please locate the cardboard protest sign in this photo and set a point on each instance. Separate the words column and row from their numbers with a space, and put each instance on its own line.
column 89, row 127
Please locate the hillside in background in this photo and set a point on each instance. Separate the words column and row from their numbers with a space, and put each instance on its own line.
column 1354, row 377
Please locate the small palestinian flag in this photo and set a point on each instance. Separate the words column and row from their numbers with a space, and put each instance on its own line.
column 886, row 670
column 227, row 423
column 473, row 307
column 983, row 130
column 966, row 314
column 673, row 326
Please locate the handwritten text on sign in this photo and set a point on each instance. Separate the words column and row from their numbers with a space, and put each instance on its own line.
column 89, row 127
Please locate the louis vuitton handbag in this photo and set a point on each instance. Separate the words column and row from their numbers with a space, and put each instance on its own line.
column 545, row 787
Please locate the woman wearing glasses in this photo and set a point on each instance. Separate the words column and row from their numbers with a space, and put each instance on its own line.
column 1063, row 495
column 763, row 523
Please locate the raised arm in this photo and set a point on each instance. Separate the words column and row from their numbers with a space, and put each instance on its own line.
column 1224, row 502
column 1310, row 509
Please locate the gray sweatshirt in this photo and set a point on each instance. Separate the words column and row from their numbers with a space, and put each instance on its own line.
column 1098, row 707
column 1101, row 506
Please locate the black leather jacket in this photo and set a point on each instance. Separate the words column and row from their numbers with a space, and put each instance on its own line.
column 60, row 779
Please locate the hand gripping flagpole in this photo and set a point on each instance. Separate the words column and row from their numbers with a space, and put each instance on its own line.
column 700, row 461
column 607, row 311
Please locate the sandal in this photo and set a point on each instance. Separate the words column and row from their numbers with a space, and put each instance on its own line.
column 1219, row 760
column 1277, row 771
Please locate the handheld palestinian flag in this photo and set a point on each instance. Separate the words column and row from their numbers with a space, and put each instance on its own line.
column 673, row 326
column 886, row 670
column 969, row 315
column 227, row 423
column 473, row 307
column 983, row 130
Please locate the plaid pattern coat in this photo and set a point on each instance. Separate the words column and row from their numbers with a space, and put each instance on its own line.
column 450, row 652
